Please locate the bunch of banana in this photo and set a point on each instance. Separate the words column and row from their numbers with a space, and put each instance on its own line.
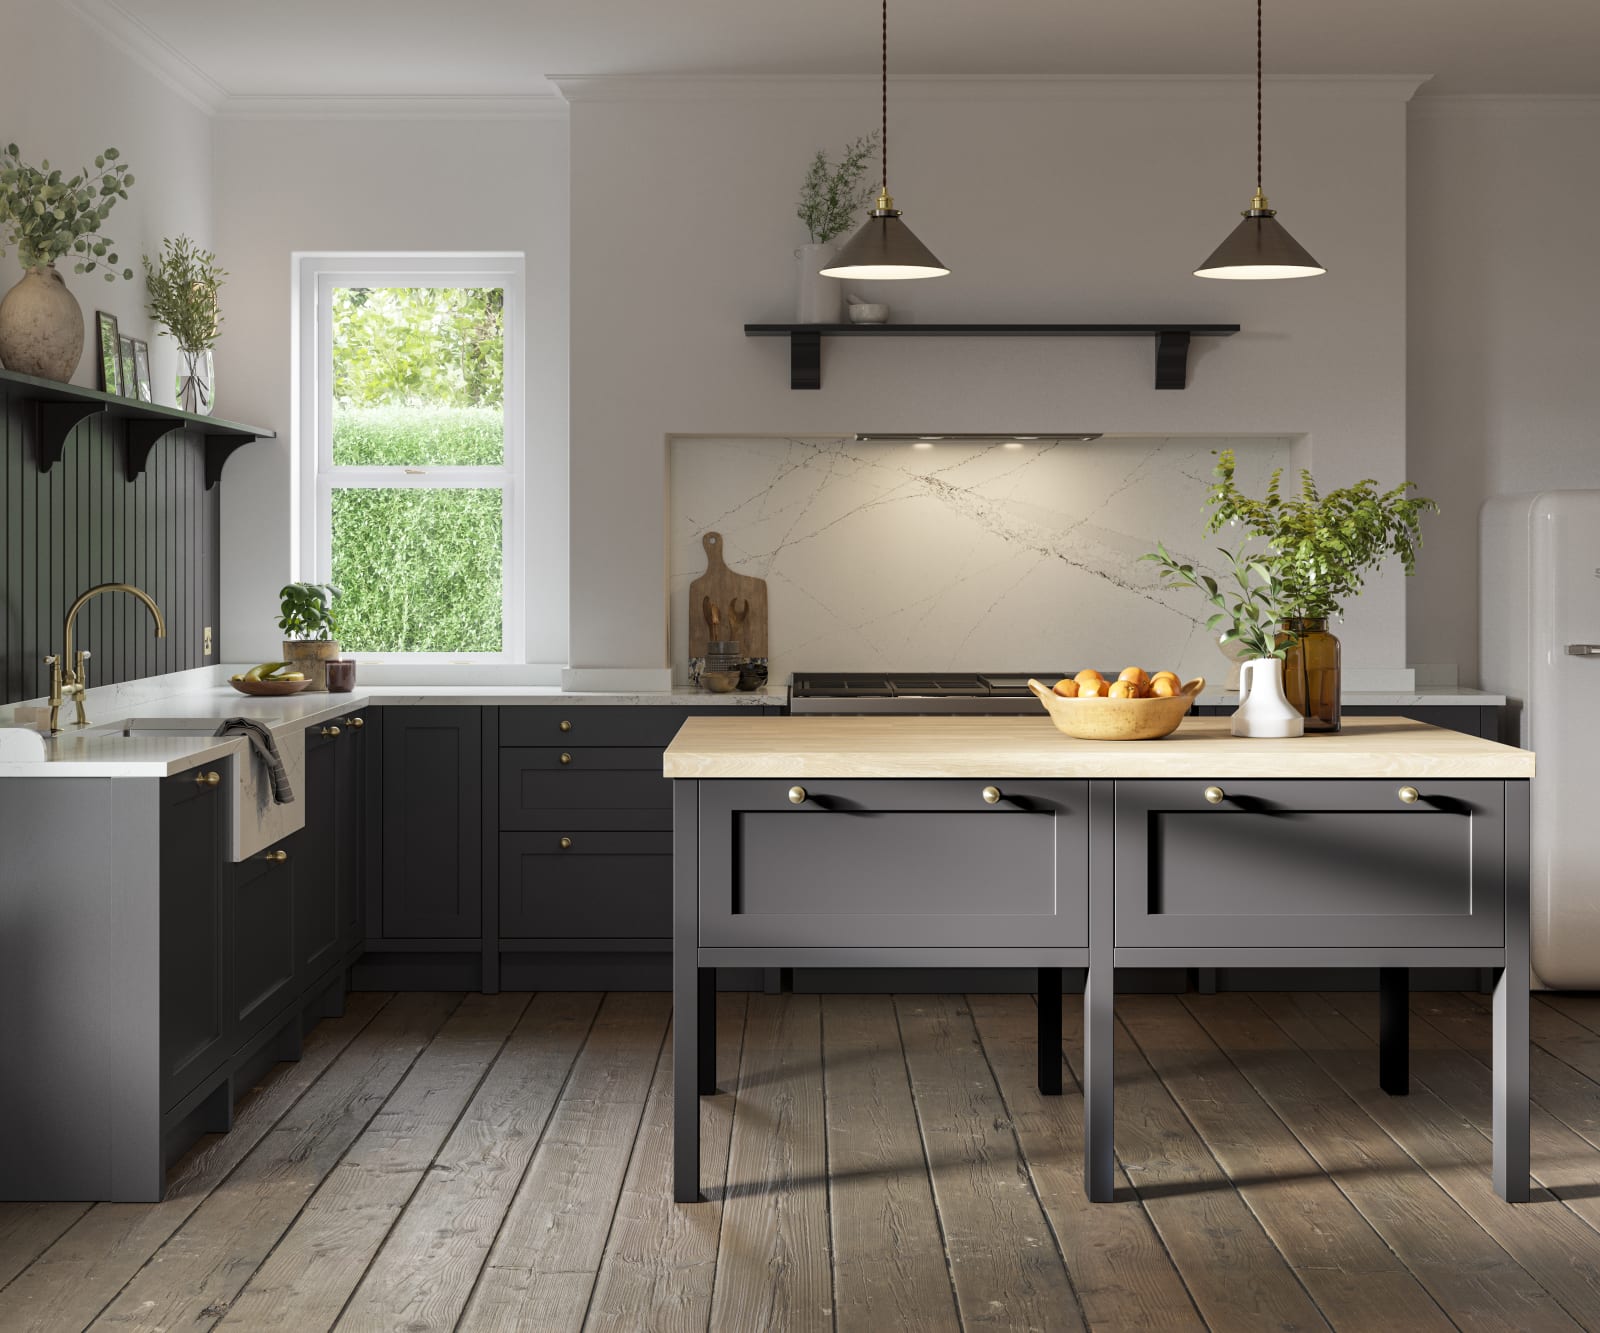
column 271, row 671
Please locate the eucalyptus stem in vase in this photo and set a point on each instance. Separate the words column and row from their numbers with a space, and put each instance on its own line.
column 832, row 196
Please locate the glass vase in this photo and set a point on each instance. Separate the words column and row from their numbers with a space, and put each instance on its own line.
column 1311, row 672
column 196, row 382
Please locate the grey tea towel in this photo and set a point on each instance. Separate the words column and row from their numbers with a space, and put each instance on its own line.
column 261, row 741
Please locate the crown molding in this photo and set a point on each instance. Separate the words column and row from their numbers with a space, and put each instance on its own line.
column 976, row 87
column 1449, row 106
column 444, row 106
column 175, row 71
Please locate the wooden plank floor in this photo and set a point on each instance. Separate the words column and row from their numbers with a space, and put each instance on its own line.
column 871, row 1163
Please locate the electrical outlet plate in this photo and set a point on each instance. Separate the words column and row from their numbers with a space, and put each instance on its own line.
column 205, row 642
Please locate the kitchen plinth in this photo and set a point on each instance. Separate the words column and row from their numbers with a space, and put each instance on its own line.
column 996, row 841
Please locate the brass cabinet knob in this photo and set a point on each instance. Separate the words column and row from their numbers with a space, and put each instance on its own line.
column 797, row 795
column 330, row 731
column 207, row 779
column 279, row 856
column 991, row 796
column 566, row 844
column 565, row 757
column 1215, row 795
column 565, row 725
column 355, row 723
column 1410, row 795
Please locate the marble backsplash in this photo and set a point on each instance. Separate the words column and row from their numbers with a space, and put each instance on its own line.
column 957, row 555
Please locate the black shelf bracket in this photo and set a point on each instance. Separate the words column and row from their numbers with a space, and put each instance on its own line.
column 1171, row 340
column 56, row 422
column 219, row 449
column 143, row 435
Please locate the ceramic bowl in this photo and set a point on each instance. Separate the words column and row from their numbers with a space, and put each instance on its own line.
column 864, row 312
column 269, row 689
column 1117, row 719
column 719, row 682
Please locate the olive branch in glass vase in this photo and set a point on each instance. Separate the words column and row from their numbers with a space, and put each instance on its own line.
column 833, row 195
column 182, row 288
column 1248, row 598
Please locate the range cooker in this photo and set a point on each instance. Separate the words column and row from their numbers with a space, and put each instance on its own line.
column 925, row 692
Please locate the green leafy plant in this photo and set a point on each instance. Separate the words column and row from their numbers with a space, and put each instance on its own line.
column 183, row 293
column 833, row 195
column 1323, row 545
column 307, row 610
column 1249, row 602
column 47, row 214
column 418, row 346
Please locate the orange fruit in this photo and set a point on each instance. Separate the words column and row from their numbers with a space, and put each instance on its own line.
column 1067, row 688
column 1123, row 689
column 1085, row 676
column 1137, row 675
column 1164, row 687
column 1165, row 675
column 1091, row 689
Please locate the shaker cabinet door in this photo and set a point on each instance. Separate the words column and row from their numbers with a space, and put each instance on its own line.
column 1305, row 863
column 432, row 884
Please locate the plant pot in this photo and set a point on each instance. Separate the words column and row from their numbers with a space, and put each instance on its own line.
column 1311, row 673
column 818, row 300
column 312, row 657
column 197, row 381
column 41, row 326
column 1263, row 711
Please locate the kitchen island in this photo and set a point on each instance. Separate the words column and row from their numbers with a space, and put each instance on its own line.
column 985, row 841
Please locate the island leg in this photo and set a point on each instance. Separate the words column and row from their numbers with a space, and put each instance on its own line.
column 686, row 993
column 1050, row 1031
column 1394, row 1030
column 1511, row 1151
column 1099, row 988
column 706, row 1034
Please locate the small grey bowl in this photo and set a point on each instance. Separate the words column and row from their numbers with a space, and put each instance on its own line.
column 863, row 312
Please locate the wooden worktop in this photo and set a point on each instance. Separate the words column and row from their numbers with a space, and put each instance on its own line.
column 1028, row 747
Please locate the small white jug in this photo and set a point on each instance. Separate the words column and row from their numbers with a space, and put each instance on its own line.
column 1263, row 709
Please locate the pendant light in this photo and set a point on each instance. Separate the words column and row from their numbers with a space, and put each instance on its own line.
column 1259, row 247
column 884, row 247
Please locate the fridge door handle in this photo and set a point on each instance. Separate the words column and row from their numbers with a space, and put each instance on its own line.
column 1583, row 650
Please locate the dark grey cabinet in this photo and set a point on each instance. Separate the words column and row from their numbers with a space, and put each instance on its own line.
column 1308, row 864
column 263, row 962
column 432, row 877
column 862, row 863
column 195, row 980
column 328, row 874
column 595, row 885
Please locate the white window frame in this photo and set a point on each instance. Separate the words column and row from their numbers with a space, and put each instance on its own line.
column 317, row 476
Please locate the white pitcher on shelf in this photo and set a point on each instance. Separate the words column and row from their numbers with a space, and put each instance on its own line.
column 1264, row 710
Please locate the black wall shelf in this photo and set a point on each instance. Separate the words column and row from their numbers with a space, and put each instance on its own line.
column 59, row 408
column 1172, row 341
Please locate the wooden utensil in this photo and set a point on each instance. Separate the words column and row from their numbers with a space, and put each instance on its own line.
column 721, row 587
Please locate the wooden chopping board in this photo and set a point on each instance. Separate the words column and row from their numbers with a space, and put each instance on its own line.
column 740, row 599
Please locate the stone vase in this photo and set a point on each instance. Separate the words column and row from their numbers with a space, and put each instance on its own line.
column 311, row 656
column 818, row 300
column 41, row 326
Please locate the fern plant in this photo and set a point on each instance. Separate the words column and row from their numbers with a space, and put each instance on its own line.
column 832, row 194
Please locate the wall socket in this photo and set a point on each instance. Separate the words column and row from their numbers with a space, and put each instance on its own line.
column 205, row 642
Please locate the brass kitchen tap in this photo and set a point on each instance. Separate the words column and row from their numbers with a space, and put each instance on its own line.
column 69, row 671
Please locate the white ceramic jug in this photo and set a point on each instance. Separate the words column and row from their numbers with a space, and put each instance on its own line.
column 1263, row 708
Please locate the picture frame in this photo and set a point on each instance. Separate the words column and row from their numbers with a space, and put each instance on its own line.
column 129, row 374
column 110, row 352
column 141, row 371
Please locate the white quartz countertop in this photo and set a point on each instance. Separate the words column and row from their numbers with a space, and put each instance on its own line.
column 172, row 733
column 996, row 748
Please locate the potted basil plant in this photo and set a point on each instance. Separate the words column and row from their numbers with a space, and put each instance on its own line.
column 310, row 626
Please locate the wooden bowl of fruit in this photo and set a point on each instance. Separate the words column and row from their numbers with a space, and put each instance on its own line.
column 1137, row 706
column 270, row 680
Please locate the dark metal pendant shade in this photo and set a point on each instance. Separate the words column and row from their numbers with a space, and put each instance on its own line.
column 884, row 249
column 1259, row 247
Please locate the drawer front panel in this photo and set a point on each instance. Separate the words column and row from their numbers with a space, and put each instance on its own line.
column 607, row 886
column 1306, row 864
column 640, row 726
column 915, row 864
column 535, row 782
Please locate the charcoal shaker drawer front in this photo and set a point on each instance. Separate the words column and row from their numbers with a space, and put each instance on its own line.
column 599, row 885
column 914, row 864
column 1310, row 863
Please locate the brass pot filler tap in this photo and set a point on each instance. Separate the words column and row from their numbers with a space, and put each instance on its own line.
column 69, row 671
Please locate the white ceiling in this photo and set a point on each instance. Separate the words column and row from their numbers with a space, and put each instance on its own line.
column 505, row 47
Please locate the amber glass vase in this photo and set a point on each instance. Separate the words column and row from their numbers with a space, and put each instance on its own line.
column 1311, row 672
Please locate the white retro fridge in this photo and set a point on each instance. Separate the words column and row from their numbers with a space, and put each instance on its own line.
column 1539, row 635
